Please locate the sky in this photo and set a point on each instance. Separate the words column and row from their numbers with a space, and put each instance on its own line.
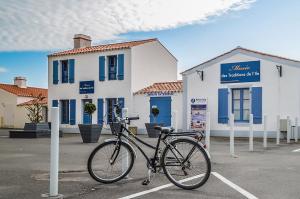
column 193, row 30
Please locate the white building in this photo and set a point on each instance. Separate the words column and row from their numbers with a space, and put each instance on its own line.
column 13, row 100
column 243, row 81
column 104, row 74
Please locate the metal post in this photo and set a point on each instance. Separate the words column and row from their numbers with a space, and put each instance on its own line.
column 251, row 133
column 265, row 131
column 231, row 121
column 123, row 152
column 278, row 130
column 288, row 136
column 207, row 135
column 296, row 129
column 54, row 156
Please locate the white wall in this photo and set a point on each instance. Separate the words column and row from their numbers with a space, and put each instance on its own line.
column 280, row 95
column 152, row 63
column 8, row 103
column 142, row 109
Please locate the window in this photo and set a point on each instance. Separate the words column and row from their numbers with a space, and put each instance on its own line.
column 64, row 71
column 241, row 104
column 110, row 105
column 64, row 111
column 112, row 67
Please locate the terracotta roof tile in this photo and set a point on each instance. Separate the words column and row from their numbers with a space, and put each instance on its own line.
column 24, row 92
column 101, row 48
column 162, row 88
column 43, row 102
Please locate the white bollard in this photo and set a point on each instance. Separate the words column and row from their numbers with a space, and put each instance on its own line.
column 278, row 130
column 288, row 133
column 265, row 131
column 207, row 135
column 54, row 156
column 125, row 161
column 296, row 129
column 231, row 121
column 175, row 120
column 251, row 133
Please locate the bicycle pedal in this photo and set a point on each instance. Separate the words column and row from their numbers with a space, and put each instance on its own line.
column 146, row 182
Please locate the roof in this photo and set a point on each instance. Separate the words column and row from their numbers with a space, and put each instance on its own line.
column 162, row 88
column 24, row 92
column 102, row 48
column 31, row 102
column 241, row 49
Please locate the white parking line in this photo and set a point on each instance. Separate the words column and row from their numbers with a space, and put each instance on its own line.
column 159, row 188
column 296, row 150
column 234, row 186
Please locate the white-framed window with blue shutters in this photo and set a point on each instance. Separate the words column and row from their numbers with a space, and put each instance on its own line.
column 65, row 70
column 240, row 105
column 113, row 66
column 243, row 102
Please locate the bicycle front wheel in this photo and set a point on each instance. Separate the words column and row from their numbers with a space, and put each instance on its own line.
column 110, row 161
column 186, row 164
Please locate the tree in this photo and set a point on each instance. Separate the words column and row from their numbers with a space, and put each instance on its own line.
column 35, row 114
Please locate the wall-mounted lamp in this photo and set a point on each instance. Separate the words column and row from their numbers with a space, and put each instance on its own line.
column 201, row 74
column 279, row 68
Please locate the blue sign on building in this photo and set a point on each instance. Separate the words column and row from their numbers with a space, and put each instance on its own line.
column 240, row 72
column 86, row 87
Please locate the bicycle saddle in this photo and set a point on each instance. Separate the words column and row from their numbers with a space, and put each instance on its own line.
column 164, row 129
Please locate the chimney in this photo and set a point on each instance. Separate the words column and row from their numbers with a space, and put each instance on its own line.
column 81, row 41
column 20, row 82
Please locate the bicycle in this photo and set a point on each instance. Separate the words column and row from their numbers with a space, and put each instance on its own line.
column 184, row 160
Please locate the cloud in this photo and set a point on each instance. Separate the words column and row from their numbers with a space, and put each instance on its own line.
column 3, row 70
column 51, row 24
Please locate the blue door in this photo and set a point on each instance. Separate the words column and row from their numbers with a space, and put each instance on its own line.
column 164, row 106
column 86, row 118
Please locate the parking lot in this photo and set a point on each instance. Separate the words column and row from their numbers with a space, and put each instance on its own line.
column 265, row 173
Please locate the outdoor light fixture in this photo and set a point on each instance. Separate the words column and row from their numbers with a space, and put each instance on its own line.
column 201, row 74
column 279, row 68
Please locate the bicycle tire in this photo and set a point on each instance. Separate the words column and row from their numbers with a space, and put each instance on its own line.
column 96, row 176
column 180, row 182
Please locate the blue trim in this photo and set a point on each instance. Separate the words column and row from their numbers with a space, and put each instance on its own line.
column 100, row 111
column 71, row 71
column 55, row 72
column 223, row 106
column 121, row 67
column 256, row 105
column 101, row 68
column 72, row 112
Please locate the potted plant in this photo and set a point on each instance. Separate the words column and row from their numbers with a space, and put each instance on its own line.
column 153, row 133
column 90, row 133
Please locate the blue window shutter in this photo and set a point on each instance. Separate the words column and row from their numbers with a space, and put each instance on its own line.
column 54, row 103
column 121, row 102
column 223, row 105
column 55, row 72
column 72, row 111
column 100, row 111
column 120, row 66
column 101, row 68
column 256, row 104
column 71, row 70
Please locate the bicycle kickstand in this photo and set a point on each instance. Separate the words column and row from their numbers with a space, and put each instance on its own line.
column 147, row 181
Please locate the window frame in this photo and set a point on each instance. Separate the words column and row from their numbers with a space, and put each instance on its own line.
column 112, row 66
column 110, row 117
column 241, row 100
column 62, row 114
column 64, row 76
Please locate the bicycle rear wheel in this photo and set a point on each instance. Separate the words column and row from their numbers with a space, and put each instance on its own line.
column 106, row 162
column 186, row 164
